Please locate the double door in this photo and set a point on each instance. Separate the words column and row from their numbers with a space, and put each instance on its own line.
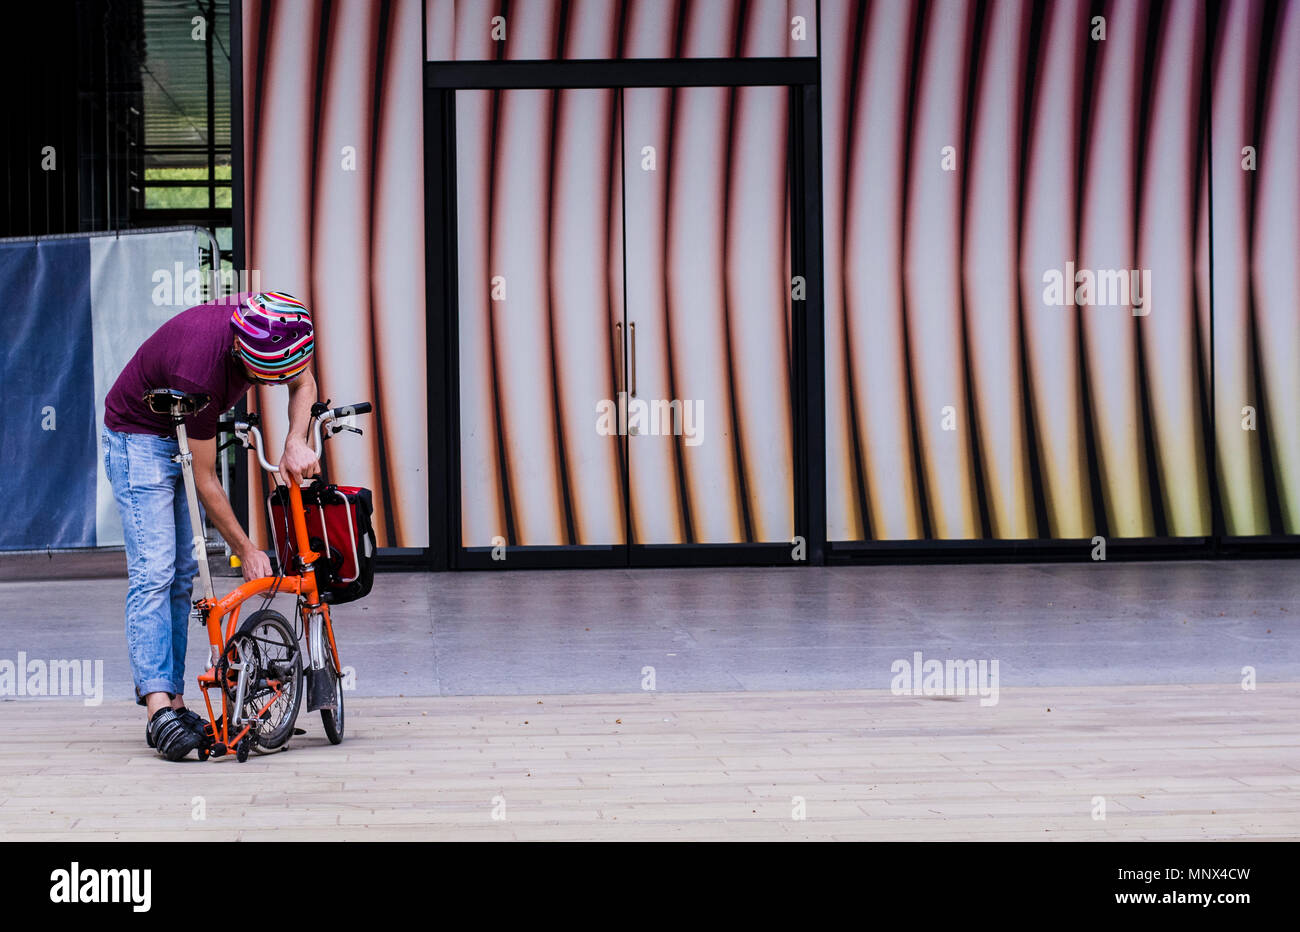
column 624, row 303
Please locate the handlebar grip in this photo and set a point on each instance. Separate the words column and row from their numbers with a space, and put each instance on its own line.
column 361, row 407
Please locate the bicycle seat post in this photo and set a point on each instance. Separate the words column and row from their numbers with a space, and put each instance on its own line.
column 186, row 459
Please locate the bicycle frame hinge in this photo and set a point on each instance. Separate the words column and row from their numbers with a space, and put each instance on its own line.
column 199, row 611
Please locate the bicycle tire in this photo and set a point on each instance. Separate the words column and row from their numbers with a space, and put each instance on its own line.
column 271, row 630
column 333, row 719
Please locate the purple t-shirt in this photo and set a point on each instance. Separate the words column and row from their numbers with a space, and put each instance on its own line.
column 191, row 353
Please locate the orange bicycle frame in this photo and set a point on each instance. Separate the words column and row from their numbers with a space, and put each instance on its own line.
column 302, row 584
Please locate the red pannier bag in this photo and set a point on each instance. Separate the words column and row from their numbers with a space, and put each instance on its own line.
column 339, row 527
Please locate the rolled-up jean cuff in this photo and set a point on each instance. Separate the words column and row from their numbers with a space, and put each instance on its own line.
column 155, row 686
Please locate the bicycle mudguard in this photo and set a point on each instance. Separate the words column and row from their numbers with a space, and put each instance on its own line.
column 321, row 689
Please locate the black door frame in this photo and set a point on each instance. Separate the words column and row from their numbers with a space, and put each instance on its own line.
column 441, row 81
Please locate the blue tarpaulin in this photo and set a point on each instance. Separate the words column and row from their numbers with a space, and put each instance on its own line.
column 48, row 437
column 73, row 310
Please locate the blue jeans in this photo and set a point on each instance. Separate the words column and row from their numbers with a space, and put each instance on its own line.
column 160, row 558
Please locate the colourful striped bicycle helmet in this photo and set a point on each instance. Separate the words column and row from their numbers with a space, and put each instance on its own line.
column 273, row 336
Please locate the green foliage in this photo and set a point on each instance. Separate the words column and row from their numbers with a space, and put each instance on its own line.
column 184, row 197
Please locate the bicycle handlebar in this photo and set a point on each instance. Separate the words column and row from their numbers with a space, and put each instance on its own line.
column 243, row 430
column 361, row 407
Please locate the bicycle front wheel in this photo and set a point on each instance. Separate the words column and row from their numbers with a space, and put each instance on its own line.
column 332, row 719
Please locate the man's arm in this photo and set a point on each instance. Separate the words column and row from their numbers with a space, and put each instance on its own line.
column 255, row 563
column 298, row 461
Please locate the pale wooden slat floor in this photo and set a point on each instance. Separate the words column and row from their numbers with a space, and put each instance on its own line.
column 1171, row 762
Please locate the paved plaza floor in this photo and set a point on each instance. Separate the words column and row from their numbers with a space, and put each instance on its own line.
column 1134, row 701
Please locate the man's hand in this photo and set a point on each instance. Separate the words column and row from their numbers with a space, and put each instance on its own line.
column 254, row 563
column 298, row 462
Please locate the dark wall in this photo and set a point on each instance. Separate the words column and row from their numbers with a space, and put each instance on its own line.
column 69, row 82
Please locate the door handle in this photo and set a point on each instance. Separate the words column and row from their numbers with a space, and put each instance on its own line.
column 632, row 330
column 618, row 361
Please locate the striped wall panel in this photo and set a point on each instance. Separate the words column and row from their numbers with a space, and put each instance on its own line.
column 975, row 156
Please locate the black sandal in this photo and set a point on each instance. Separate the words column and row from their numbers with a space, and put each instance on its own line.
column 169, row 733
column 195, row 722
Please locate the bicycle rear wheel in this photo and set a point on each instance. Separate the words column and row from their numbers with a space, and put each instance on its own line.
column 267, row 646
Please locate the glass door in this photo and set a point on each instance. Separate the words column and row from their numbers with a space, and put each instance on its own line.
column 623, row 293
column 707, row 185
column 540, row 308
